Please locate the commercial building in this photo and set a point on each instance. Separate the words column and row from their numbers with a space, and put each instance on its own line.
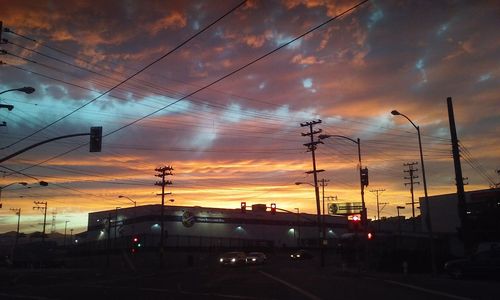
column 482, row 209
column 212, row 227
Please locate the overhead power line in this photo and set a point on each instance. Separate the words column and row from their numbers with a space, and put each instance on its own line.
column 131, row 76
column 345, row 12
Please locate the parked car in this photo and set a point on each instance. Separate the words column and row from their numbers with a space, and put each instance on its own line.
column 300, row 255
column 233, row 258
column 484, row 264
column 256, row 258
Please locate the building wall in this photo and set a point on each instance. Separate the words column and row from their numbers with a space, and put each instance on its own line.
column 481, row 205
column 282, row 229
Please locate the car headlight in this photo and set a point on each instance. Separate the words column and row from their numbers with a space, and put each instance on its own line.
column 254, row 259
column 291, row 255
column 221, row 259
column 298, row 255
column 233, row 259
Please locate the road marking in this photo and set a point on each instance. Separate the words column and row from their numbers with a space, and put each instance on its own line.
column 305, row 293
column 427, row 290
column 160, row 290
column 22, row 296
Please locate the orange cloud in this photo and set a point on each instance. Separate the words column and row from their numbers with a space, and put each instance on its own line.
column 174, row 20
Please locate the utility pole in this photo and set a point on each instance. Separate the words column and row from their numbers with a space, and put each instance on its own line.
column 410, row 171
column 298, row 226
column 18, row 213
column 65, row 226
column 323, row 184
column 311, row 147
column 378, row 192
column 461, row 204
column 53, row 224
column 108, row 241
column 163, row 172
column 44, row 208
column 323, row 225
column 399, row 220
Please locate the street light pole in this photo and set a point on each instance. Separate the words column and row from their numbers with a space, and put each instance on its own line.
column 26, row 89
column 298, row 227
column 3, row 187
column 135, row 203
column 426, row 197
column 364, row 219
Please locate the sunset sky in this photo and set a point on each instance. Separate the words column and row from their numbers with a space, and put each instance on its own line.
column 238, row 137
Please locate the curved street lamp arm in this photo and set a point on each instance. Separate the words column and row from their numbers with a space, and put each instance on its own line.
column 325, row 136
column 416, row 127
column 40, row 143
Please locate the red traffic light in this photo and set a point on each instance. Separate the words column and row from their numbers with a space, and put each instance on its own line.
column 273, row 208
column 243, row 207
column 369, row 235
column 135, row 239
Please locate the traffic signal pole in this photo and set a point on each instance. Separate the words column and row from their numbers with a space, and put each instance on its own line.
column 94, row 142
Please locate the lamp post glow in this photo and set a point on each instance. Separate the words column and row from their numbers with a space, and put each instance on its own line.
column 426, row 198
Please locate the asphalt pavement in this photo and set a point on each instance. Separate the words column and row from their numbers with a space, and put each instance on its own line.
column 278, row 279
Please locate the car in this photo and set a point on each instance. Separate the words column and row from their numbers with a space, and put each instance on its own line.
column 256, row 258
column 233, row 258
column 301, row 255
column 482, row 264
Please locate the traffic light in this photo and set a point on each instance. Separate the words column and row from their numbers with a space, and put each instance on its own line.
column 355, row 222
column 243, row 207
column 95, row 139
column 136, row 244
column 369, row 236
column 364, row 176
column 273, row 208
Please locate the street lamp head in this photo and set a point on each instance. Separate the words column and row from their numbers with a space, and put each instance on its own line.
column 395, row 113
column 23, row 183
column 121, row 196
column 27, row 89
column 298, row 183
column 43, row 183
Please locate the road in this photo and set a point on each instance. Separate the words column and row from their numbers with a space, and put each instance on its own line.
column 278, row 279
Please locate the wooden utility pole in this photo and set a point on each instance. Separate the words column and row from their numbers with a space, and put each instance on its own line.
column 311, row 147
column 378, row 192
column 411, row 171
column 44, row 208
column 163, row 172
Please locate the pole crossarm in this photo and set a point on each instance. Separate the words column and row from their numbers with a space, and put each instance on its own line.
column 39, row 144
